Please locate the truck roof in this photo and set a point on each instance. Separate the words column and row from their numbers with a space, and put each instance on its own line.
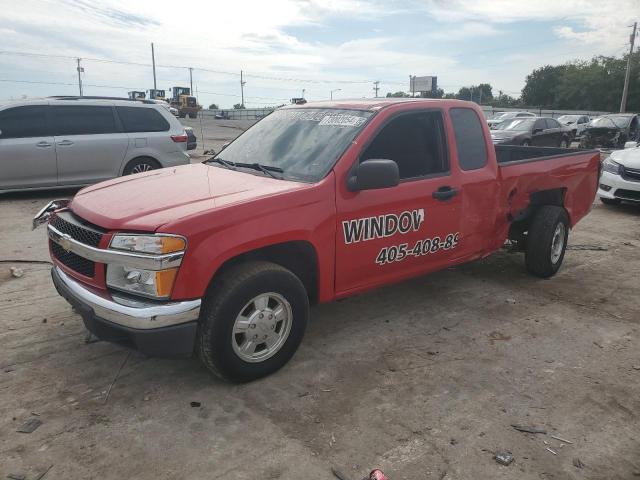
column 378, row 103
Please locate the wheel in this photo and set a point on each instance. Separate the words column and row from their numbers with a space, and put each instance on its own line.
column 611, row 201
column 193, row 115
column 140, row 165
column 526, row 143
column 252, row 322
column 564, row 143
column 182, row 114
column 546, row 241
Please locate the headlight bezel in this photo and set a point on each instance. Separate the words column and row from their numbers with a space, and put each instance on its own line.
column 156, row 284
column 136, row 241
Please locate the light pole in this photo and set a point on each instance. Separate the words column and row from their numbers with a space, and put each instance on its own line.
column 336, row 90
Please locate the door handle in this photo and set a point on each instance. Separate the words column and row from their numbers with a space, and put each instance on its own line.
column 43, row 144
column 64, row 143
column 444, row 193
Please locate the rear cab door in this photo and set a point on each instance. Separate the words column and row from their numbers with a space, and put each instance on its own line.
column 388, row 234
column 90, row 144
column 27, row 151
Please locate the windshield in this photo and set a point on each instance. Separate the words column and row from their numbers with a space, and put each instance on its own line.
column 502, row 115
column 620, row 120
column 568, row 118
column 517, row 124
column 602, row 122
column 305, row 143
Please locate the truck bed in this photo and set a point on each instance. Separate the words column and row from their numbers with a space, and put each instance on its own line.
column 567, row 177
column 506, row 154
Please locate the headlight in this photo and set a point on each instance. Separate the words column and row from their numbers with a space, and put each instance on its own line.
column 157, row 244
column 610, row 166
column 148, row 283
column 141, row 282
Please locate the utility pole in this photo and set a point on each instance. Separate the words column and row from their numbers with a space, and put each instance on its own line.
column 376, row 87
column 479, row 88
column 625, row 90
column 80, row 70
column 191, row 80
column 411, row 85
column 153, row 61
column 242, row 82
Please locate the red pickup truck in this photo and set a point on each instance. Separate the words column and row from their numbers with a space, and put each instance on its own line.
column 311, row 204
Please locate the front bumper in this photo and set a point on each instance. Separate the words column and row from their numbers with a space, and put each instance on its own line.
column 159, row 329
column 618, row 188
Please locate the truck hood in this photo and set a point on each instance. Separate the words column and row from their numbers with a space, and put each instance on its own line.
column 145, row 202
column 629, row 157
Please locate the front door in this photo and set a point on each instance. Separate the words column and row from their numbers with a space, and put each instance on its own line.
column 540, row 135
column 388, row 234
column 89, row 144
column 27, row 152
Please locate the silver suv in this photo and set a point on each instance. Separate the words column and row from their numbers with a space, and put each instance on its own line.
column 75, row 141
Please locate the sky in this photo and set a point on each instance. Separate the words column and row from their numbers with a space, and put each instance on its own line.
column 283, row 47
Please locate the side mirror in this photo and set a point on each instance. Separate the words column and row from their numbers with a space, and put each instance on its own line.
column 372, row 174
column 537, row 130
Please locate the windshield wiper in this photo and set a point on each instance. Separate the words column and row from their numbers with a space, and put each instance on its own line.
column 268, row 169
column 221, row 161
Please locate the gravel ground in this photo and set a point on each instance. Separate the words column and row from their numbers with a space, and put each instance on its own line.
column 422, row 379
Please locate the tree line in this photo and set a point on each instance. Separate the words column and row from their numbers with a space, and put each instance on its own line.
column 594, row 84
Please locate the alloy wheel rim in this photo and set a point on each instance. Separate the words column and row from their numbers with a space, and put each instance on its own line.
column 557, row 243
column 262, row 327
column 141, row 167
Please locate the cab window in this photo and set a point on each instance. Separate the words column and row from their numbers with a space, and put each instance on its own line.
column 415, row 141
column 470, row 140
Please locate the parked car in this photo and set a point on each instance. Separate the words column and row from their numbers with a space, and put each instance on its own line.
column 611, row 131
column 500, row 117
column 577, row 123
column 192, row 140
column 620, row 179
column 73, row 142
column 539, row 132
column 313, row 203
column 174, row 111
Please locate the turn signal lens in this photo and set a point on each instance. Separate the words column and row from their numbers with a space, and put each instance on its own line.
column 164, row 281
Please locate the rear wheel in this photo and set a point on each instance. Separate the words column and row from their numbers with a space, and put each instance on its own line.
column 526, row 143
column 193, row 115
column 547, row 241
column 140, row 165
column 252, row 321
column 610, row 201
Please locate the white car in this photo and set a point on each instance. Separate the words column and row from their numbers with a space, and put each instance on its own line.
column 172, row 110
column 577, row 123
column 75, row 141
column 620, row 179
column 500, row 117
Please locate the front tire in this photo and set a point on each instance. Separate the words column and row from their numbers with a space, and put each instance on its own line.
column 526, row 143
column 547, row 241
column 252, row 322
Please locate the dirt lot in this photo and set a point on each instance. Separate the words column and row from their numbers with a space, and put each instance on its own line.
column 212, row 133
column 422, row 379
